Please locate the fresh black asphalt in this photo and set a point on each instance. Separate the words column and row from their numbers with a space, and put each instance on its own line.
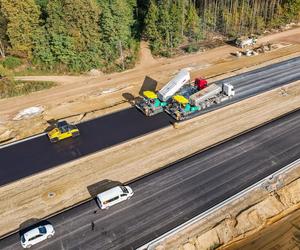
column 169, row 197
column 32, row 156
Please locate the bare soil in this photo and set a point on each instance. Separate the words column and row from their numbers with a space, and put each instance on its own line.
column 284, row 234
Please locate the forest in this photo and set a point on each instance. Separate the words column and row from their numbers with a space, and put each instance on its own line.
column 79, row 35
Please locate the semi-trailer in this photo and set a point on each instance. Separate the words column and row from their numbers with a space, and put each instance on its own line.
column 183, row 107
column 153, row 103
column 181, row 97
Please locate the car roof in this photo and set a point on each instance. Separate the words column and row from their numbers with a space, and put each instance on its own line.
column 111, row 193
column 35, row 231
column 32, row 233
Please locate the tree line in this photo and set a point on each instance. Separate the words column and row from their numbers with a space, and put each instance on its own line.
column 78, row 35
column 74, row 35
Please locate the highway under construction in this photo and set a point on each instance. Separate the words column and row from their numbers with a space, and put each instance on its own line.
column 168, row 198
column 34, row 155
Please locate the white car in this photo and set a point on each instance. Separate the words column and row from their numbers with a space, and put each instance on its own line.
column 114, row 196
column 37, row 235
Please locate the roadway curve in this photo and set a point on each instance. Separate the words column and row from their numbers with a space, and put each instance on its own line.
column 177, row 193
column 32, row 156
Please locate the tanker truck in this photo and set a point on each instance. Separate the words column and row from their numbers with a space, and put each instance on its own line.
column 182, row 108
column 153, row 103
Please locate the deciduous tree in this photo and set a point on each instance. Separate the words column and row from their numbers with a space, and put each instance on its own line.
column 22, row 25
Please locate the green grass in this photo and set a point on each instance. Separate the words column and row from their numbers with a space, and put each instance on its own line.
column 10, row 88
column 34, row 72
column 11, row 62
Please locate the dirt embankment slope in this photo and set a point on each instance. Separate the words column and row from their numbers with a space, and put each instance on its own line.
column 282, row 234
column 65, row 185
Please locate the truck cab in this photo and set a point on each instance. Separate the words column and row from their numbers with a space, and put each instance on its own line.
column 228, row 89
column 201, row 83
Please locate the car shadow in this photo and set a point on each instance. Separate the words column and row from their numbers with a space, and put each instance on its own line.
column 102, row 186
column 31, row 224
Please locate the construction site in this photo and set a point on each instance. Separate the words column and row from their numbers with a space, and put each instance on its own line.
column 251, row 88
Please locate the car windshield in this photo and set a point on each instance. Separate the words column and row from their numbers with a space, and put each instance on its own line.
column 62, row 124
column 64, row 129
column 23, row 238
column 124, row 189
column 42, row 230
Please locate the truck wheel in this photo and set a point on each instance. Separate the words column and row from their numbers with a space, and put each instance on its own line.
column 49, row 236
column 29, row 246
column 75, row 134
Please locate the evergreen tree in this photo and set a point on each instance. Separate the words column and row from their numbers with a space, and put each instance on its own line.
column 107, row 27
column 116, row 22
column 61, row 44
column 79, row 35
column 22, row 24
column 164, row 21
column 163, row 25
column 151, row 27
column 73, row 34
column 291, row 10
column 175, row 24
column 3, row 36
column 151, row 22
column 81, row 19
column 193, row 23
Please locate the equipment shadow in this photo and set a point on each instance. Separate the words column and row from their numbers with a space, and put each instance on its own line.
column 102, row 186
column 148, row 84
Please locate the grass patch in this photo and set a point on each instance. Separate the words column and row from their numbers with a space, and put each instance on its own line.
column 10, row 88
column 11, row 62
column 192, row 48
column 30, row 71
